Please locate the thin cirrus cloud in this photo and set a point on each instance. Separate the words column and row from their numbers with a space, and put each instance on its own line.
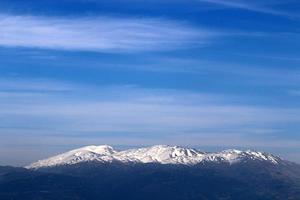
column 131, row 109
column 35, row 114
column 101, row 34
column 261, row 6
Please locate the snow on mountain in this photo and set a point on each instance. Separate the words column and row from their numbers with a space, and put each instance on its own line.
column 163, row 154
column 233, row 156
column 101, row 153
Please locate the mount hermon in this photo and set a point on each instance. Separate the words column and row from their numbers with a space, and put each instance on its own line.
column 162, row 154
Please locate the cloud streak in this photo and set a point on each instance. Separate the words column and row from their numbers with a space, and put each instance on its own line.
column 132, row 110
column 255, row 6
column 100, row 34
column 35, row 114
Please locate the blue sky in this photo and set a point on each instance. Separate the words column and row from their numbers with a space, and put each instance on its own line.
column 209, row 74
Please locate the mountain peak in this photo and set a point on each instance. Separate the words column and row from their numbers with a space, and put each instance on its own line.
column 102, row 149
column 163, row 154
column 83, row 154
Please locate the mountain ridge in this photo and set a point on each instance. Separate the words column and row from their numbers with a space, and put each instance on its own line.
column 162, row 154
column 158, row 172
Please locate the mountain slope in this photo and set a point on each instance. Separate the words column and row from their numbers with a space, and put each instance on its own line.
column 158, row 172
column 161, row 154
column 252, row 180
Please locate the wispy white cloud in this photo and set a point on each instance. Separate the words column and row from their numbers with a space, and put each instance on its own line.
column 25, row 85
column 270, row 57
column 107, row 34
column 247, row 73
column 133, row 110
column 256, row 6
column 130, row 115
column 104, row 34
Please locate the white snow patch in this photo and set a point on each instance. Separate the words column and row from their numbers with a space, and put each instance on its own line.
column 162, row 154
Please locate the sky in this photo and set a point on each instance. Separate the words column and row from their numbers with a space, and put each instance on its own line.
column 205, row 74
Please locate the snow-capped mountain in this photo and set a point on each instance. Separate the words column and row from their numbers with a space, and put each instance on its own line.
column 162, row 154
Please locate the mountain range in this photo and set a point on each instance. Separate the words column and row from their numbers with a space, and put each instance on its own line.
column 157, row 172
column 161, row 154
